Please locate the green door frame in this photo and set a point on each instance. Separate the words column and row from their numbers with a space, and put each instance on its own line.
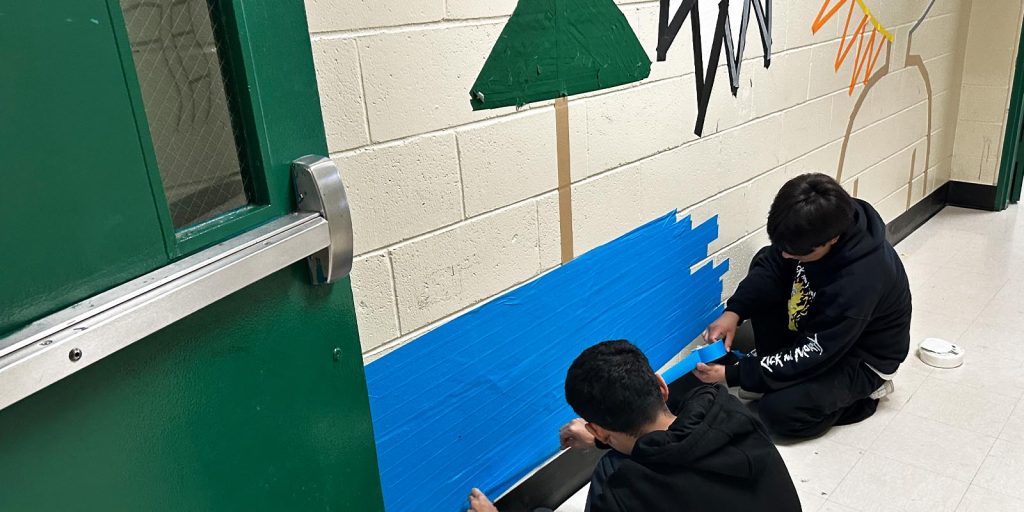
column 1011, row 167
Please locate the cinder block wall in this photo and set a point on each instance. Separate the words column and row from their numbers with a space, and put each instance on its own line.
column 452, row 207
column 989, row 62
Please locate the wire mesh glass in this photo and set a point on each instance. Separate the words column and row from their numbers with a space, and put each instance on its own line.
column 186, row 100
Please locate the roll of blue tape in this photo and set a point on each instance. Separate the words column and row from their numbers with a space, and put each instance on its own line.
column 704, row 354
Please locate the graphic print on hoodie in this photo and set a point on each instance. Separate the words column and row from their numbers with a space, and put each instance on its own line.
column 800, row 298
column 716, row 457
column 854, row 302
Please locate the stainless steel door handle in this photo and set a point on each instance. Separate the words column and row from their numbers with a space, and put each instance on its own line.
column 319, row 189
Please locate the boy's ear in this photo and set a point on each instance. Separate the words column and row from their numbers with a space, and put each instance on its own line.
column 602, row 434
column 663, row 387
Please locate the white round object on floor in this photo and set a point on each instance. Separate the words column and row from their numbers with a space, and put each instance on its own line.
column 940, row 353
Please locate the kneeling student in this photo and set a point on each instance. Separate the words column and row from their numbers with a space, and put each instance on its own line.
column 710, row 454
column 830, row 307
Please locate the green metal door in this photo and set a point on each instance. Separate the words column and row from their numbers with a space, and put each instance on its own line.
column 138, row 136
column 1011, row 168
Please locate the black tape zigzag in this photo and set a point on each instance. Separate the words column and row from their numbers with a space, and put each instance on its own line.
column 705, row 79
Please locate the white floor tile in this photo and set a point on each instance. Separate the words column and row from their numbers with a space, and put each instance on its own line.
column 992, row 258
column 835, row 507
column 934, row 446
column 993, row 360
column 577, row 502
column 810, row 501
column 1008, row 381
column 1003, row 469
column 994, row 344
column 818, row 465
column 977, row 409
column 964, row 292
column 862, row 435
column 927, row 248
column 1014, row 429
column 907, row 381
column 977, row 251
column 1006, row 308
column 917, row 273
column 881, row 484
column 977, row 221
column 978, row 499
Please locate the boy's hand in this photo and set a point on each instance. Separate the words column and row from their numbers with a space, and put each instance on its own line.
column 575, row 435
column 478, row 502
column 710, row 373
column 723, row 329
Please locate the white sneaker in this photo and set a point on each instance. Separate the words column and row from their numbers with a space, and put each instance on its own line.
column 886, row 389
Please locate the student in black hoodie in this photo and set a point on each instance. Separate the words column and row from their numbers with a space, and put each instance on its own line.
column 710, row 454
column 830, row 307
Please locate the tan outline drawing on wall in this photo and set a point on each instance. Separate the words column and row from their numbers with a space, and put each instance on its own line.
column 910, row 60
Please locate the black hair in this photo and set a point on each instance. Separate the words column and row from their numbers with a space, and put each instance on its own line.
column 612, row 384
column 808, row 211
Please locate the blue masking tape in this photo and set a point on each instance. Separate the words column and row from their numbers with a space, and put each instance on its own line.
column 478, row 401
column 704, row 354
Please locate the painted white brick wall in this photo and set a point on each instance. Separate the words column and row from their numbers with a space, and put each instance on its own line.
column 993, row 34
column 511, row 159
column 639, row 122
column 464, row 9
column 376, row 305
column 451, row 206
column 461, row 266
column 606, row 206
column 335, row 15
column 549, row 233
column 341, row 94
column 402, row 190
column 418, row 80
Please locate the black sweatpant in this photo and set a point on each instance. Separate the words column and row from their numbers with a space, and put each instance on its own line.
column 838, row 396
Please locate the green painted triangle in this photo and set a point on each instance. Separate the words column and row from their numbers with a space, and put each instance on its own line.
column 553, row 48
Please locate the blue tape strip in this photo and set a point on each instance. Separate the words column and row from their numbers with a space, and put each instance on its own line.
column 478, row 401
column 704, row 354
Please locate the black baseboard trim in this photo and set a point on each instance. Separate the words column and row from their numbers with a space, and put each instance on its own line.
column 554, row 483
column 908, row 222
column 972, row 195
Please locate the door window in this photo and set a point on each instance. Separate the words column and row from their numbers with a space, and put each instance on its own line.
column 188, row 105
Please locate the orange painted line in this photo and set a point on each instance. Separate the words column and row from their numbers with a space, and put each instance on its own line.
column 843, row 53
column 867, row 56
column 862, row 58
column 874, row 60
column 821, row 19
